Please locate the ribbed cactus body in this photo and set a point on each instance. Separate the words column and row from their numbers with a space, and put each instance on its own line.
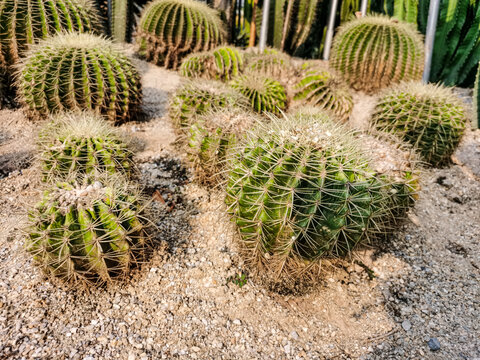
column 265, row 94
column 91, row 233
column 79, row 72
column 222, row 63
column 24, row 22
column 199, row 97
column 85, row 144
column 429, row 117
column 171, row 29
column 324, row 89
column 270, row 63
column 121, row 18
column 374, row 52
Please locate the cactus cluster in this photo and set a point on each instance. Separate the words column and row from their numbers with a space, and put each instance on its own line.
column 429, row 117
column 302, row 190
column 171, row 29
column 85, row 144
column 374, row 52
column 265, row 94
column 222, row 63
column 199, row 97
column 88, row 232
column 74, row 71
column 324, row 89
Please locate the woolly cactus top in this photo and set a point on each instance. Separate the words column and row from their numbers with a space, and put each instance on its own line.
column 74, row 40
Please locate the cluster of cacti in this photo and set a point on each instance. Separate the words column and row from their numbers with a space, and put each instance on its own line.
column 270, row 63
column 222, row 63
column 324, row 89
column 171, row 29
column 24, row 22
column 265, row 94
column 74, row 71
column 374, row 52
column 302, row 190
column 429, row 117
column 476, row 98
column 212, row 137
column 85, row 144
column 88, row 232
column 196, row 98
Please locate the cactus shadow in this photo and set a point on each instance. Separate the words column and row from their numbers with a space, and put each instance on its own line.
column 154, row 104
column 14, row 161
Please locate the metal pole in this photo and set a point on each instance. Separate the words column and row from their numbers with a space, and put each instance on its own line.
column 263, row 29
column 430, row 37
column 331, row 25
column 363, row 8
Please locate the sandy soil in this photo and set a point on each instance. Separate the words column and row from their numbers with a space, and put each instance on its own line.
column 181, row 304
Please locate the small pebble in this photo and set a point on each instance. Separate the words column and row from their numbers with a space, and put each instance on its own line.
column 434, row 344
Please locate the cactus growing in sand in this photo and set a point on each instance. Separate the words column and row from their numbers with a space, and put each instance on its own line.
column 79, row 71
column 429, row 117
column 374, row 52
column 171, row 29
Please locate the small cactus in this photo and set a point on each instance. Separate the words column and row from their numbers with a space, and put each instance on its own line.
column 88, row 233
column 429, row 117
column 79, row 72
column 171, row 29
column 199, row 97
column 270, row 63
column 85, row 144
column 303, row 189
column 222, row 63
column 374, row 52
column 324, row 89
column 264, row 93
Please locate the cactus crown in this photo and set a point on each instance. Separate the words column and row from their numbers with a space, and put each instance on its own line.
column 171, row 29
column 72, row 71
column 375, row 51
column 264, row 93
column 88, row 233
column 85, row 144
column 429, row 117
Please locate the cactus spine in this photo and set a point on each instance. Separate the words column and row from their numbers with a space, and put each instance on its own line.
column 171, row 29
column 374, row 52
column 79, row 71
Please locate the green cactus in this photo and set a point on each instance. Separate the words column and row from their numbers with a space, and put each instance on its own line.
column 199, row 97
column 212, row 137
column 222, row 63
column 88, row 233
column 303, row 189
column 429, row 117
column 24, row 22
column 324, row 89
column 264, row 93
column 171, row 29
column 79, row 71
column 85, row 144
column 270, row 63
column 476, row 97
column 121, row 18
column 374, row 52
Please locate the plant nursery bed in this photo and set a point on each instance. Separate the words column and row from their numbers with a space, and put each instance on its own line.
column 194, row 299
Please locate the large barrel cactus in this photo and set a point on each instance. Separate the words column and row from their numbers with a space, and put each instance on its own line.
column 24, row 22
column 79, row 71
column 374, row 52
column 303, row 189
column 429, row 117
column 171, row 29
column 85, row 144
column 222, row 63
column 88, row 233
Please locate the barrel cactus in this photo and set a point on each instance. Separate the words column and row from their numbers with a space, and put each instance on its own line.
column 196, row 98
column 92, row 233
column 264, row 93
column 73, row 71
column 429, row 117
column 222, row 63
column 270, row 63
column 24, row 22
column 374, row 52
column 171, row 29
column 324, row 89
column 83, row 143
column 302, row 189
